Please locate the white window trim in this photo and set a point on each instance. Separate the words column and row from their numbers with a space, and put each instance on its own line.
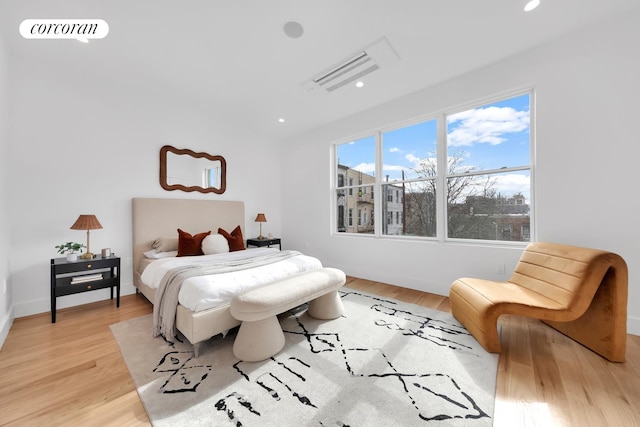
column 441, row 167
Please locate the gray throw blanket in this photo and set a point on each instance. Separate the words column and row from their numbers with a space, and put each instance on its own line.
column 166, row 303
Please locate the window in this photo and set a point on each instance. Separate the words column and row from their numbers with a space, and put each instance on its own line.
column 409, row 160
column 359, row 195
column 455, row 175
column 488, row 171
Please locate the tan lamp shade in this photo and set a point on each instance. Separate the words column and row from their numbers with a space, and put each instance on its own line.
column 86, row 222
column 261, row 218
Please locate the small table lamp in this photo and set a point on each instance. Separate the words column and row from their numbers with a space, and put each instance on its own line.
column 261, row 218
column 86, row 222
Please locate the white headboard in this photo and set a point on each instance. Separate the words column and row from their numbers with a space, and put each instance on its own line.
column 153, row 218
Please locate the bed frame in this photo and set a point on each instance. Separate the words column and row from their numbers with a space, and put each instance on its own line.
column 153, row 218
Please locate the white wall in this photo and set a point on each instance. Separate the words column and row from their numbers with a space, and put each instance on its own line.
column 588, row 94
column 6, row 311
column 82, row 146
column 85, row 146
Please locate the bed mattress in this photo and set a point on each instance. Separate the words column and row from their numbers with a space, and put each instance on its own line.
column 205, row 292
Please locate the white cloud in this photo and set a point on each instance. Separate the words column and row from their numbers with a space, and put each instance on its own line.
column 394, row 150
column 394, row 167
column 413, row 159
column 368, row 168
column 510, row 184
column 485, row 125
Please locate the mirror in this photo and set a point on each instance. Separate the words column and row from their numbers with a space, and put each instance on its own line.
column 186, row 170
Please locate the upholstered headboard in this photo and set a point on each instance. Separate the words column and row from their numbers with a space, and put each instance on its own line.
column 153, row 218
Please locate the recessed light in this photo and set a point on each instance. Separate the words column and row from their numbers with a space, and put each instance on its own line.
column 281, row 120
column 531, row 4
column 360, row 84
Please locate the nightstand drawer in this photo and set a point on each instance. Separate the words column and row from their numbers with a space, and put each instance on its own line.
column 69, row 289
column 79, row 266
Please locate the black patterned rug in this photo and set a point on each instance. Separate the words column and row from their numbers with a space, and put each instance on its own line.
column 384, row 363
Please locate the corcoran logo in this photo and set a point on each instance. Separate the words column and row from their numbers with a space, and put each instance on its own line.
column 78, row 29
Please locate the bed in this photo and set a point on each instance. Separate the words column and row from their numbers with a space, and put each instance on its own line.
column 156, row 217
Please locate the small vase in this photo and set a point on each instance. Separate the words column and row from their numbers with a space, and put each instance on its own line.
column 72, row 257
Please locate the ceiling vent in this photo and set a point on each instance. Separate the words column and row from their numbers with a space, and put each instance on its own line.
column 377, row 55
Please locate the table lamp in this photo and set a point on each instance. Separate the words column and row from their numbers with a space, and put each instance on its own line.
column 261, row 218
column 86, row 222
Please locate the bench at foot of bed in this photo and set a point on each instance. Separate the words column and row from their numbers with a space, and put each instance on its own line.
column 260, row 335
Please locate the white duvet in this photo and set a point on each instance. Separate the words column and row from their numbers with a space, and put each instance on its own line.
column 204, row 292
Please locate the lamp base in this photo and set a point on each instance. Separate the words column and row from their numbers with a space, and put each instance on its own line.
column 87, row 255
column 261, row 237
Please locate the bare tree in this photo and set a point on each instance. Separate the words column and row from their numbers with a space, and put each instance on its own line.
column 420, row 197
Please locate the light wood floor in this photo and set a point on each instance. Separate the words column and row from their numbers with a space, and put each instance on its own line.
column 72, row 373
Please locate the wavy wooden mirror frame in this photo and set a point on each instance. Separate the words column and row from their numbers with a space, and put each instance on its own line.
column 185, row 151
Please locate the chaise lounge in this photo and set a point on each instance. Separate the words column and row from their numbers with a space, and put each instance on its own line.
column 581, row 292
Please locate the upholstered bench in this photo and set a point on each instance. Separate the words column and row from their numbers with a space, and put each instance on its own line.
column 260, row 335
column 581, row 292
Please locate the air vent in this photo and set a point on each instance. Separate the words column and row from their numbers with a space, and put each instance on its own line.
column 378, row 54
column 353, row 69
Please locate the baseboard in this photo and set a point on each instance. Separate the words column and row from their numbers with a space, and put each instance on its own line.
column 633, row 325
column 5, row 327
column 395, row 279
column 29, row 308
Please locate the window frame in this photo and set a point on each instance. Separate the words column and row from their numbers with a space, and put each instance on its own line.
column 441, row 175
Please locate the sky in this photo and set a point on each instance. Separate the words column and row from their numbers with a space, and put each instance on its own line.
column 490, row 137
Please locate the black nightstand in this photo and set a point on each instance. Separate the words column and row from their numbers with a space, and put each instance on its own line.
column 264, row 242
column 72, row 277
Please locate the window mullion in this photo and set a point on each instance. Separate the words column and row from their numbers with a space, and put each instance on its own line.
column 441, row 180
column 377, row 188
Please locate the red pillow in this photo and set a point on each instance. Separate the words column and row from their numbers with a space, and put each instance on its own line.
column 236, row 242
column 189, row 245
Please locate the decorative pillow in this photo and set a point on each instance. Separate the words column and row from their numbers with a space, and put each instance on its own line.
column 165, row 244
column 215, row 244
column 189, row 245
column 235, row 239
column 154, row 254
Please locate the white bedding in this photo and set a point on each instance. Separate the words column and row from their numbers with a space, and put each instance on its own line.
column 204, row 292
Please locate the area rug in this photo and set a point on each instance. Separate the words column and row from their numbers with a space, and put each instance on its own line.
column 383, row 363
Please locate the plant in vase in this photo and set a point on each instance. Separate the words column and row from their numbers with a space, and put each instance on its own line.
column 71, row 250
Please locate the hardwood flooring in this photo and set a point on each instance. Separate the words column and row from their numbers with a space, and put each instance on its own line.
column 72, row 374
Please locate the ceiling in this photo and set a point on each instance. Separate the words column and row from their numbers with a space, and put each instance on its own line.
column 233, row 59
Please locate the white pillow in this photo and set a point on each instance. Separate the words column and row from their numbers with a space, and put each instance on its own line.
column 165, row 244
column 153, row 254
column 215, row 244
